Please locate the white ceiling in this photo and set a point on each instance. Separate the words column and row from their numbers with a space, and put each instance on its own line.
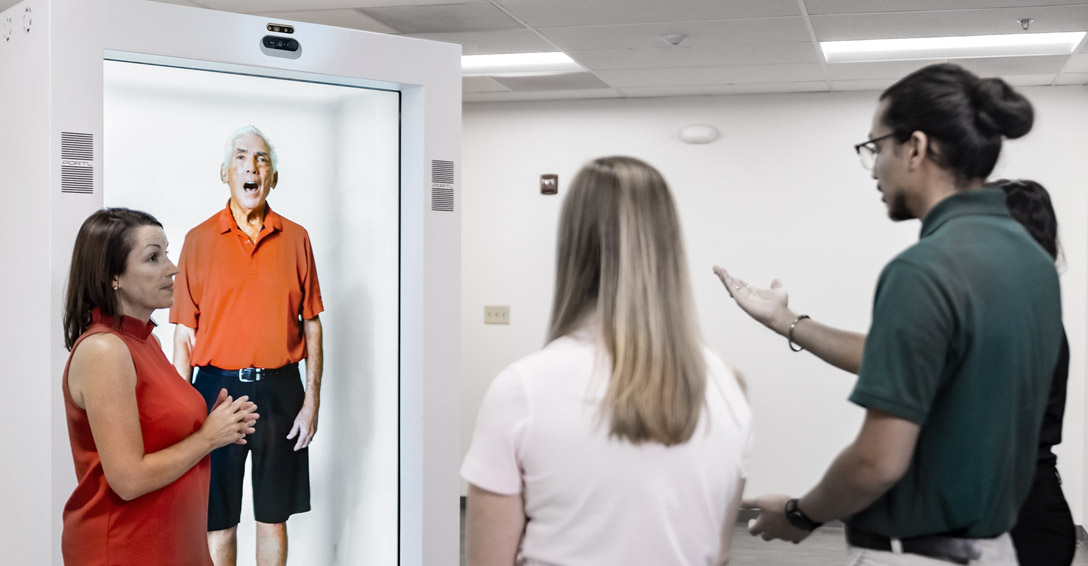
column 733, row 46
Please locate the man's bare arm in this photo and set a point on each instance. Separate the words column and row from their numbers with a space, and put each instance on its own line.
column 864, row 471
column 184, row 341
column 305, row 425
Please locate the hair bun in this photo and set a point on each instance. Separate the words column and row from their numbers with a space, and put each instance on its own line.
column 1001, row 110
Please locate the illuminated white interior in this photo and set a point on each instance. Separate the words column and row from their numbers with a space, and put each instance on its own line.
column 337, row 147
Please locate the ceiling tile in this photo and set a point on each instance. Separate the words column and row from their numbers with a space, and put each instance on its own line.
column 557, row 13
column 875, row 70
column 339, row 18
column 564, row 81
column 744, row 54
column 816, row 7
column 700, row 34
column 714, row 75
column 1029, row 80
column 1072, row 79
column 869, row 84
column 478, row 16
column 1077, row 64
column 703, row 90
column 490, row 42
column 947, row 23
column 480, row 84
column 1005, row 66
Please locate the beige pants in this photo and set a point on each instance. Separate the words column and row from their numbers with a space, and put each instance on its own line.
column 995, row 552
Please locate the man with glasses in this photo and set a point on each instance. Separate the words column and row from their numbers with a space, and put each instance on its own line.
column 965, row 330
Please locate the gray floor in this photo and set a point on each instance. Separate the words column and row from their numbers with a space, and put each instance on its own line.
column 824, row 548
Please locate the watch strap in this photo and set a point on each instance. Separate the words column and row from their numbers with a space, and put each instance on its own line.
column 797, row 518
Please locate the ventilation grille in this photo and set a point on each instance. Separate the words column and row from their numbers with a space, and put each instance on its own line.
column 442, row 185
column 76, row 163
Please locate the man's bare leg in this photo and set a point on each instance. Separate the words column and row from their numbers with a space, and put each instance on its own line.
column 271, row 544
column 224, row 546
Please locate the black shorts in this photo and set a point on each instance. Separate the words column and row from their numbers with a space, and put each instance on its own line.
column 281, row 476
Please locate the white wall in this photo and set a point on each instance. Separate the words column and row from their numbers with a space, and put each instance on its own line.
column 781, row 194
column 164, row 137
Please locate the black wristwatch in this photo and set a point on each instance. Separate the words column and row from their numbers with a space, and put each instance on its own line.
column 798, row 519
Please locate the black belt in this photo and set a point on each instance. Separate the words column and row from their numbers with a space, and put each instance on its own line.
column 951, row 549
column 249, row 375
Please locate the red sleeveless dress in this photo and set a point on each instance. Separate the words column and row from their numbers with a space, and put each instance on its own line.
column 167, row 527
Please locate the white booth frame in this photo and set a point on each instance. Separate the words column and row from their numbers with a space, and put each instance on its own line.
column 51, row 81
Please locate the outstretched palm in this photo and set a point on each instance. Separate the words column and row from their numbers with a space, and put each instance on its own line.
column 766, row 305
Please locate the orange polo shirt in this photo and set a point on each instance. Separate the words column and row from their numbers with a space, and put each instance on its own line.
column 246, row 300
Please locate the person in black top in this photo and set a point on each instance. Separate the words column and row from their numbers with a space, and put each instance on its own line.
column 1044, row 534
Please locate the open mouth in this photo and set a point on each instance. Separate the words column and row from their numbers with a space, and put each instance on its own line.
column 250, row 187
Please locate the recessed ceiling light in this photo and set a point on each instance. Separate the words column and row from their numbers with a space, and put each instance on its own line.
column 518, row 64
column 961, row 47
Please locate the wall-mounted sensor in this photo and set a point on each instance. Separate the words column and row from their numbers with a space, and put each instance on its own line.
column 280, row 28
column 276, row 46
column 5, row 29
column 698, row 133
column 549, row 184
column 28, row 18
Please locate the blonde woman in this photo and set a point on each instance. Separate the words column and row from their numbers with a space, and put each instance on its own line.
column 623, row 441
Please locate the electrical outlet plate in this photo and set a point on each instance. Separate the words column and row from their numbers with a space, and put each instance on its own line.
column 496, row 314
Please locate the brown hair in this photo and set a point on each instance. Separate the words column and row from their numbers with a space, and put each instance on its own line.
column 621, row 256
column 101, row 250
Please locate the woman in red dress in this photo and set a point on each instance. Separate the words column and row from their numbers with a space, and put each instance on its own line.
column 140, row 434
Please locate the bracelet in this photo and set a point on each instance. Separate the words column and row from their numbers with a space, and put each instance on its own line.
column 789, row 335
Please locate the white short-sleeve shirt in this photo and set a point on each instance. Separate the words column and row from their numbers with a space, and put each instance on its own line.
column 598, row 501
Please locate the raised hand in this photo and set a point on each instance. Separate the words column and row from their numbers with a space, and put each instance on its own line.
column 769, row 306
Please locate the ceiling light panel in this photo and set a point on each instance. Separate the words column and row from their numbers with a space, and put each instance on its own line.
column 518, row 64
column 961, row 47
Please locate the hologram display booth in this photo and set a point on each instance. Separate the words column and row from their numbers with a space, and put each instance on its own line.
column 129, row 103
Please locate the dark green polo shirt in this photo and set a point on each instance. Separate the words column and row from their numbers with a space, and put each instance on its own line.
column 966, row 327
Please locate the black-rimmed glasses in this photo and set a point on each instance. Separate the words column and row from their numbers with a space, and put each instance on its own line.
column 867, row 150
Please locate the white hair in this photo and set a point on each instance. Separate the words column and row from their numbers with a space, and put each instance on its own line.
column 246, row 130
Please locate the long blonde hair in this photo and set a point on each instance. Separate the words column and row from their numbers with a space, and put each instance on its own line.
column 620, row 256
